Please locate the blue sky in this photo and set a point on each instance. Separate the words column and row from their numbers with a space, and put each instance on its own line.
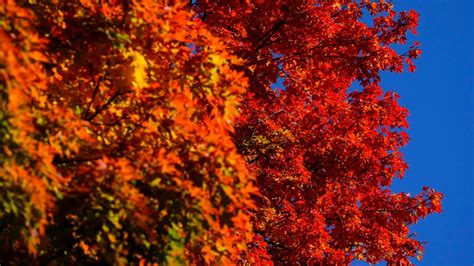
column 440, row 98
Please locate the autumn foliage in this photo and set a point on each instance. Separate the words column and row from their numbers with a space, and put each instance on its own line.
column 204, row 132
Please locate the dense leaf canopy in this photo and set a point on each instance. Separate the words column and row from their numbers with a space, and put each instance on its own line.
column 204, row 132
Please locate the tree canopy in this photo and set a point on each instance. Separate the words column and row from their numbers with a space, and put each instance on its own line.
column 204, row 132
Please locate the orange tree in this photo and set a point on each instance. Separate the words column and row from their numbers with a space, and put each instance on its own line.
column 152, row 131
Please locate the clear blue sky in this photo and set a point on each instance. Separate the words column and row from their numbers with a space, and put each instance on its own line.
column 440, row 97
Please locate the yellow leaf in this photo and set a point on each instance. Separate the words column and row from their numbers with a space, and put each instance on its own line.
column 112, row 238
column 140, row 66
column 217, row 60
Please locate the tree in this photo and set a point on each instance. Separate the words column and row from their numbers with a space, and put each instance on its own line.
column 153, row 131
column 117, row 144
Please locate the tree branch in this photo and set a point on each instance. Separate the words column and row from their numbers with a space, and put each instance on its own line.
column 262, row 42
column 93, row 97
column 103, row 107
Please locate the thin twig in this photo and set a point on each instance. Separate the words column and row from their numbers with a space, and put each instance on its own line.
column 93, row 97
column 103, row 107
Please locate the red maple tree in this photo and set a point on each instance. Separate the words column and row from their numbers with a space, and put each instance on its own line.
column 324, row 157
